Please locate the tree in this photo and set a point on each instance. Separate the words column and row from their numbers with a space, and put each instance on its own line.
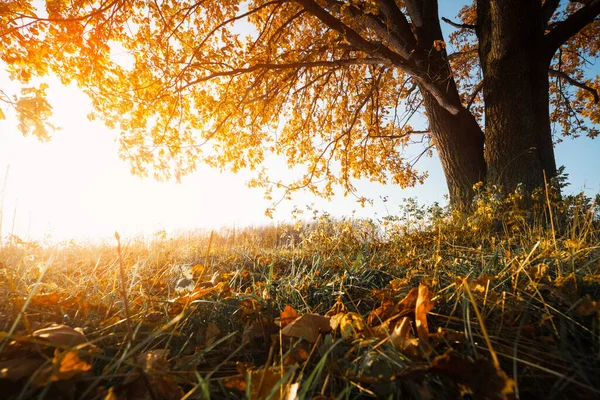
column 329, row 85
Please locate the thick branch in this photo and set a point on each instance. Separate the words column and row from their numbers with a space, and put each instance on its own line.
column 476, row 91
column 380, row 51
column 548, row 9
column 458, row 54
column 568, row 28
column 573, row 82
column 370, row 21
column 459, row 26
column 390, row 10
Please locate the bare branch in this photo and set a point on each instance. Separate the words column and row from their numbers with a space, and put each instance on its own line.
column 459, row 26
column 562, row 75
column 476, row 91
column 568, row 28
column 425, row 132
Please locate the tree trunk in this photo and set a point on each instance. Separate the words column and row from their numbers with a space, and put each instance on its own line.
column 518, row 137
column 459, row 142
column 459, row 139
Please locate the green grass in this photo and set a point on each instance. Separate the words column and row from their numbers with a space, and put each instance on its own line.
column 515, row 289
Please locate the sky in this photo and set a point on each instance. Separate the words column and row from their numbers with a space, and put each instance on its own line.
column 76, row 187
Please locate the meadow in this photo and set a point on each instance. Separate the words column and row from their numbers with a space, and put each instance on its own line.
column 429, row 304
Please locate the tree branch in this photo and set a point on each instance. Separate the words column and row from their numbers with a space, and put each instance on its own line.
column 548, row 9
column 476, row 91
column 370, row 21
column 568, row 28
column 456, row 55
column 563, row 75
column 378, row 50
column 459, row 26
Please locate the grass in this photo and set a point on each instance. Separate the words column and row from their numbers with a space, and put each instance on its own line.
column 429, row 304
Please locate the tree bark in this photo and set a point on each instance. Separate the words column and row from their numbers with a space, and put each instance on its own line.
column 518, row 137
column 459, row 139
column 460, row 143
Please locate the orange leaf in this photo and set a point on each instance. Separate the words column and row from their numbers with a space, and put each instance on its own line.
column 70, row 365
column 287, row 315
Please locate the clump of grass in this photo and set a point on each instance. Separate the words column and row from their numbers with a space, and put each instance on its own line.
column 516, row 282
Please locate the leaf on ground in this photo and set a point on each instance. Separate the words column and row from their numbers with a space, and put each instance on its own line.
column 211, row 334
column 17, row 369
column 386, row 310
column 338, row 308
column 262, row 383
column 307, row 327
column 257, row 328
column 155, row 359
column 61, row 335
column 408, row 303
column 352, row 325
column 69, row 365
column 287, row 316
column 586, row 307
column 480, row 377
column 423, row 306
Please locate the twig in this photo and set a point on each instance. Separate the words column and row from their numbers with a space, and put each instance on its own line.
column 459, row 26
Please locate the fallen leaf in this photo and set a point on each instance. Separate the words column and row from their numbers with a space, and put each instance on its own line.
column 307, row 327
column 478, row 376
column 423, row 306
column 352, row 324
column 61, row 335
column 69, row 365
column 17, row 369
column 262, row 383
column 211, row 334
column 287, row 315
column 586, row 307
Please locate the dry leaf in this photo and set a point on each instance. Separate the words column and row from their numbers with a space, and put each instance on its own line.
column 61, row 335
column 69, row 365
column 409, row 302
column 423, row 306
column 155, row 359
column 352, row 324
column 586, row 307
column 211, row 334
column 287, row 316
column 480, row 377
column 382, row 313
column 262, row 382
column 17, row 369
column 260, row 327
column 307, row 327
column 401, row 334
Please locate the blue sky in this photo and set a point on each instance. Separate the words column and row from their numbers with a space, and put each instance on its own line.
column 76, row 186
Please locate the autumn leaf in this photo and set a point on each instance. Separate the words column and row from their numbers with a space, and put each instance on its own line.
column 352, row 325
column 61, row 335
column 287, row 315
column 422, row 307
column 479, row 376
column 69, row 365
column 264, row 382
column 307, row 327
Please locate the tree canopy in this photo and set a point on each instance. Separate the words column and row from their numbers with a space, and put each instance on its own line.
column 331, row 86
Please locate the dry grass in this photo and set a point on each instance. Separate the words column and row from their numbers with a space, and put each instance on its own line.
column 515, row 289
